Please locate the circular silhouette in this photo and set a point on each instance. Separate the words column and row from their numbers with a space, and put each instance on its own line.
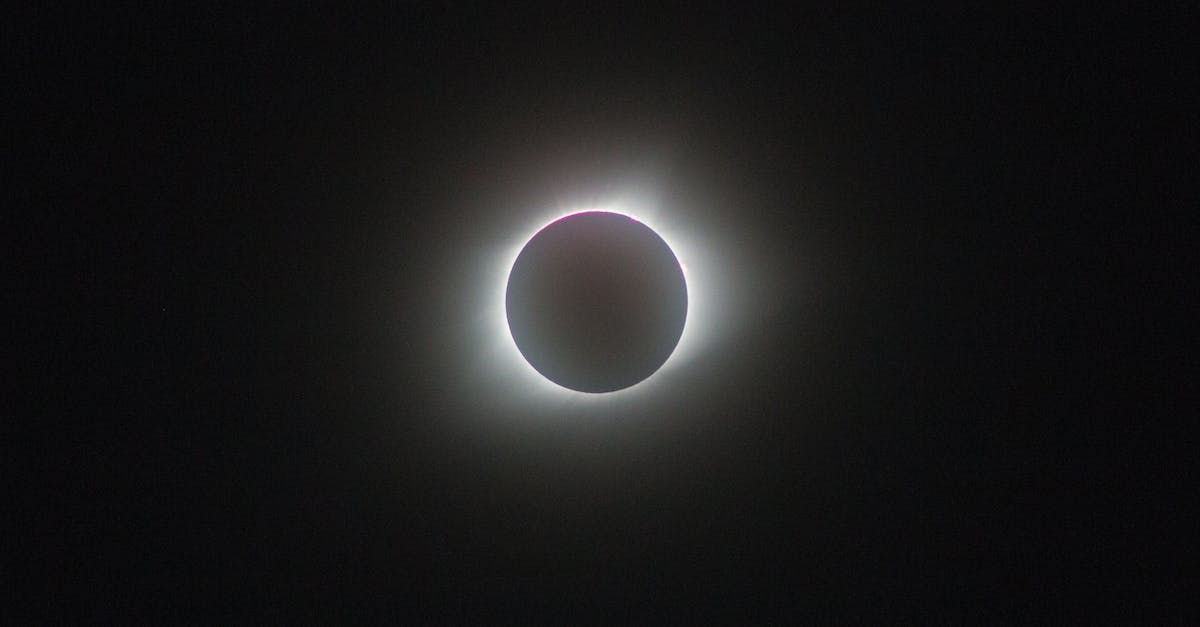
column 596, row 302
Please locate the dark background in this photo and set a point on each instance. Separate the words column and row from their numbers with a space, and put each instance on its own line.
column 243, row 253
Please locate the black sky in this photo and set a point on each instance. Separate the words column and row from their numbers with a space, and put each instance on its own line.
column 241, row 316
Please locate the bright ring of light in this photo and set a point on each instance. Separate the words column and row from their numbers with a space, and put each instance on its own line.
column 698, row 326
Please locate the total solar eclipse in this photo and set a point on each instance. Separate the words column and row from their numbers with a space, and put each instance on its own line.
column 596, row 302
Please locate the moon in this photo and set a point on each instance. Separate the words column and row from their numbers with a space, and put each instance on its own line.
column 596, row 302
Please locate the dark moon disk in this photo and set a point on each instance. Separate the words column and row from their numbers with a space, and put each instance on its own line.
column 596, row 302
